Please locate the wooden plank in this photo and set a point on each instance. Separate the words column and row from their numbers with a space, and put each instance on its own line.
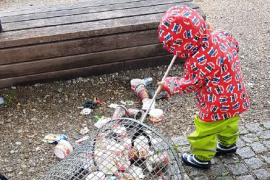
column 151, row 62
column 37, row 9
column 83, row 60
column 75, row 31
column 85, row 71
column 80, row 18
column 90, row 9
column 80, row 46
column 66, row 32
column 62, row 75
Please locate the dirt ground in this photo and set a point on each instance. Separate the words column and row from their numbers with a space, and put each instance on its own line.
column 31, row 112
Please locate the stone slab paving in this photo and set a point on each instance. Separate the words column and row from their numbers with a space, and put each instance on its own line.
column 250, row 162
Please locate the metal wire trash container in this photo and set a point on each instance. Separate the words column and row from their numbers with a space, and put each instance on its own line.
column 123, row 149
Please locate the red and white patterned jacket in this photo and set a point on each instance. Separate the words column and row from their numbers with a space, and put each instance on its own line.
column 212, row 69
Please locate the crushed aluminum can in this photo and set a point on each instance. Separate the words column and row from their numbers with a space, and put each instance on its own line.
column 133, row 154
column 134, row 113
column 157, row 162
column 54, row 138
column 141, row 92
column 119, row 112
column 96, row 176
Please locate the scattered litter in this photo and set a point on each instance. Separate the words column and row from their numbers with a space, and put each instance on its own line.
column 163, row 94
column 84, row 131
column 62, row 149
column 155, row 115
column 127, row 103
column 113, row 105
column 120, row 111
column 250, row 84
column 1, row 100
column 18, row 143
column 79, row 141
column 97, row 117
column 102, row 121
column 86, row 111
column 13, row 87
column 53, row 138
column 134, row 113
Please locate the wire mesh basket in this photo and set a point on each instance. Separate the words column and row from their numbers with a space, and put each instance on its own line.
column 123, row 149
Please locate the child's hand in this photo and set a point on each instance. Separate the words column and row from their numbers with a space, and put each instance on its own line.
column 210, row 27
column 160, row 86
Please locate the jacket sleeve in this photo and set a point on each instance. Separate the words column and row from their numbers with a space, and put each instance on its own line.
column 199, row 70
column 233, row 42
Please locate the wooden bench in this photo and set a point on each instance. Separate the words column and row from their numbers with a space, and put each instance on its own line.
column 81, row 39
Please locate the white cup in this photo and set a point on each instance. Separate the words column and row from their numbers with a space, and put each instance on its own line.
column 155, row 115
column 62, row 149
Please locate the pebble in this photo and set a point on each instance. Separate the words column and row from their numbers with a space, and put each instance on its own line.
column 18, row 143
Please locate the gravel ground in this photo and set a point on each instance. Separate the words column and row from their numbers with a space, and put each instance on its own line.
column 31, row 112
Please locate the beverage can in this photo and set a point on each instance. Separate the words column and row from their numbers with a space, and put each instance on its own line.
column 134, row 113
column 141, row 92
column 119, row 112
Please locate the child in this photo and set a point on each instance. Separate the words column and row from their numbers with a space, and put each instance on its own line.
column 212, row 72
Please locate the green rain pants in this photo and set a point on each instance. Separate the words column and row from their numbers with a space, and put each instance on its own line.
column 204, row 139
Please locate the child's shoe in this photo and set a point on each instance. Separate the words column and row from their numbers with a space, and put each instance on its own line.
column 221, row 149
column 190, row 160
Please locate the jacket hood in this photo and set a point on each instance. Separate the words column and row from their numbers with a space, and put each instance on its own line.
column 182, row 30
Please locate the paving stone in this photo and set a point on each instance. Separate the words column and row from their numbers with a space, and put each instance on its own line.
column 253, row 127
column 258, row 147
column 225, row 178
column 250, row 138
column 229, row 159
column 243, row 130
column 266, row 124
column 204, row 177
column 240, row 143
column 248, row 177
column 245, row 152
column 238, row 169
column 180, row 140
column 267, row 159
column 264, row 134
column 267, row 144
column 262, row 174
column 254, row 163
column 218, row 170
column 184, row 149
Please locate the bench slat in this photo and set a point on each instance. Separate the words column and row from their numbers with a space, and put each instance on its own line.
column 57, row 7
column 90, row 9
column 80, row 46
column 87, row 71
column 90, row 59
column 75, row 31
column 81, row 18
column 66, row 32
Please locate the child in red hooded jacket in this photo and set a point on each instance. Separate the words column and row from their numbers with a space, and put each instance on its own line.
column 212, row 72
